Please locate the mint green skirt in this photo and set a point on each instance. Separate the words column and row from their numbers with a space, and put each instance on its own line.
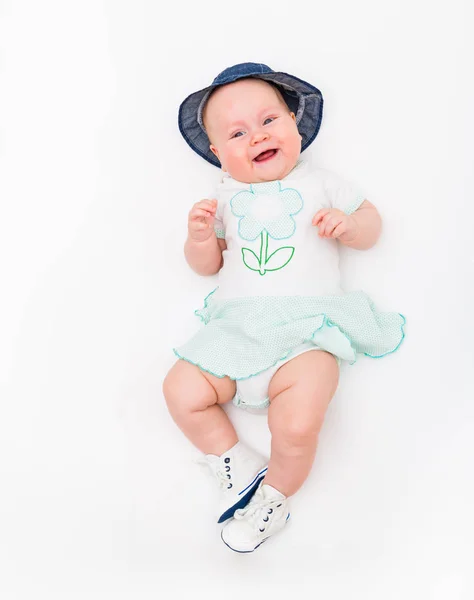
column 242, row 337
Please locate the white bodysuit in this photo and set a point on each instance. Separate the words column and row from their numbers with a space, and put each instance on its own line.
column 279, row 291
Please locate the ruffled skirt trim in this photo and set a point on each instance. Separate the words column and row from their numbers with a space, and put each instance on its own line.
column 244, row 336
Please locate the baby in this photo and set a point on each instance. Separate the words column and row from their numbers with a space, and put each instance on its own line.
column 278, row 324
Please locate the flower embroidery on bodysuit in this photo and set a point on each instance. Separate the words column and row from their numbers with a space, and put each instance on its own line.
column 266, row 210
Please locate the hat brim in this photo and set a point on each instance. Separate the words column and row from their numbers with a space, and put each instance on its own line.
column 302, row 97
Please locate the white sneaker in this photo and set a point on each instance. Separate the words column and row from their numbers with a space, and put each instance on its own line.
column 266, row 514
column 238, row 472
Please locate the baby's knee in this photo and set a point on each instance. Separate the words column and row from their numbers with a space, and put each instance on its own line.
column 294, row 435
column 294, row 429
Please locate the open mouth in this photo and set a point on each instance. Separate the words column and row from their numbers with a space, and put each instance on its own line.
column 265, row 156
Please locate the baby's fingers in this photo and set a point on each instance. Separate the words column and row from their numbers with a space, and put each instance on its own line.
column 323, row 223
column 339, row 230
column 210, row 205
column 319, row 215
column 197, row 213
column 329, row 226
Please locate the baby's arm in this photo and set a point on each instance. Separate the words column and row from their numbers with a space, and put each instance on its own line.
column 360, row 230
column 203, row 250
column 368, row 225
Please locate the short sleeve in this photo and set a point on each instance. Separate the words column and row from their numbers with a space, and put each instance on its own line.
column 341, row 194
column 219, row 221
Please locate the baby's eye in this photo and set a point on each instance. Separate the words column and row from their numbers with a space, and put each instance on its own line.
column 238, row 134
column 268, row 119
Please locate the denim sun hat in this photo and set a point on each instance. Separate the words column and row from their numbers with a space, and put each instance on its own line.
column 302, row 98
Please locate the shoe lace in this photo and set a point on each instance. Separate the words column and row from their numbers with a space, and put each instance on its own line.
column 258, row 512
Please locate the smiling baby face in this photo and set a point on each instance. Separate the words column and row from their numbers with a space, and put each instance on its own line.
column 252, row 131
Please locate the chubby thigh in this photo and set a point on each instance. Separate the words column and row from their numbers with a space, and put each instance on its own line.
column 195, row 389
column 309, row 370
column 300, row 392
column 253, row 393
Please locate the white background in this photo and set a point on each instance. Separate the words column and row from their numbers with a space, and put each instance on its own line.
column 99, row 494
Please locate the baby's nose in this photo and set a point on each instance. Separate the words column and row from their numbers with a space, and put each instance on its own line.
column 259, row 137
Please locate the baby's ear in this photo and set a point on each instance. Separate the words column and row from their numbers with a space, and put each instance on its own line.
column 215, row 151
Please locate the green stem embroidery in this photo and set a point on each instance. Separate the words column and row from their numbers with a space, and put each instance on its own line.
column 263, row 252
column 264, row 263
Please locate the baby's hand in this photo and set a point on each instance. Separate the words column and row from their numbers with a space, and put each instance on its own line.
column 335, row 224
column 201, row 220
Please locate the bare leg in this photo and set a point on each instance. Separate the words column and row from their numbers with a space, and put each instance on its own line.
column 299, row 392
column 193, row 398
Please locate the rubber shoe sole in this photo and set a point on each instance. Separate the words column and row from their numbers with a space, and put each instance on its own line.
column 258, row 545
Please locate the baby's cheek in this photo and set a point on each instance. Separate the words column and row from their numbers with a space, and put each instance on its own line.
column 295, row 147
column 240, row 154
column 238, row 159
